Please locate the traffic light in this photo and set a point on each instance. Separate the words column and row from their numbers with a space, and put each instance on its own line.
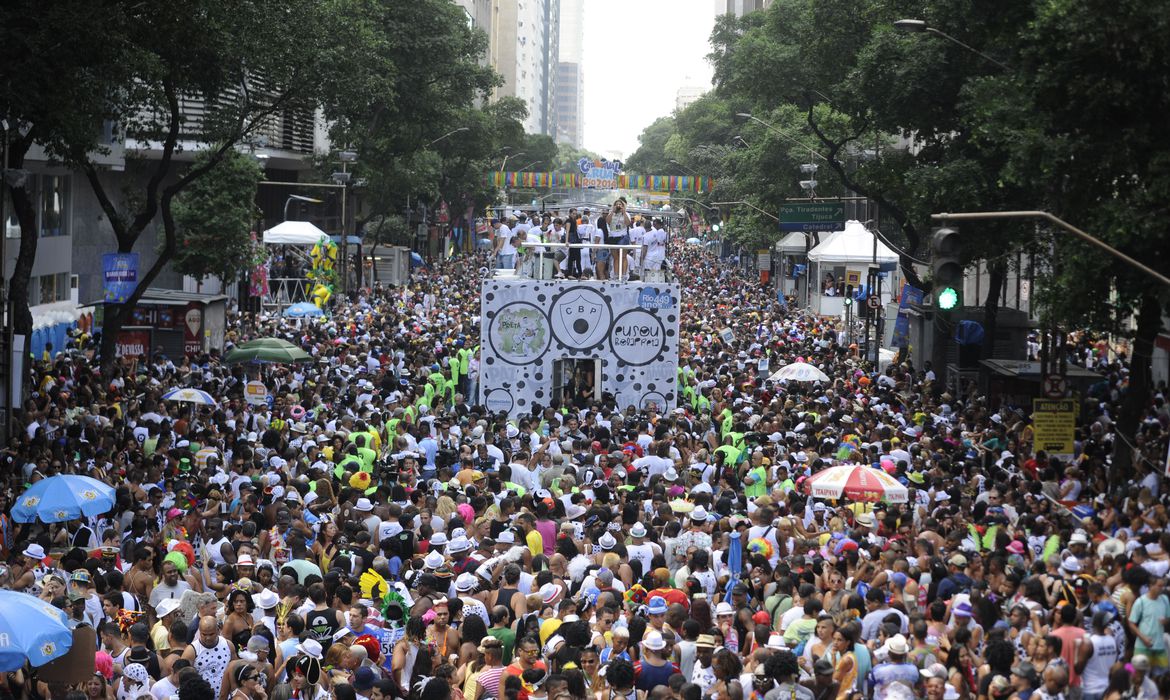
column 848, row 295
column 716, row 222
column 946, row 268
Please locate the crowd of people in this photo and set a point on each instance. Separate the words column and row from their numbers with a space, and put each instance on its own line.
column 373, row 533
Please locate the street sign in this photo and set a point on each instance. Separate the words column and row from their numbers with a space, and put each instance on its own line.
column 874, row 302
column 1055, row 386
column 1054, row 424
column 812, row 216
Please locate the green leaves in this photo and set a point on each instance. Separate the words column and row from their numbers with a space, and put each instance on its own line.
column 214, row 217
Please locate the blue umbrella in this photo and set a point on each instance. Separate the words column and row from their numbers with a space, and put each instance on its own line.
column 302, row 310
column 32, row 630
column 190, row 395
column 63, row 497
column 416, row 260
column 734, row 561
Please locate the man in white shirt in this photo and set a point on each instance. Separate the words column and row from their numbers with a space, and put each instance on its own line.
column 654, row 247
column 504, row 251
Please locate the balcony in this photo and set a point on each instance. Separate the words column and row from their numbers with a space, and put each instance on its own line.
column 289, row 134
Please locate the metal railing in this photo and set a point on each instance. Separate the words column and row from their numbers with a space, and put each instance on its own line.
column 539, row 261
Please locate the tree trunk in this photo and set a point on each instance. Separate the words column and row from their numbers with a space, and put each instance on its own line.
column 22, row 274
column 26, row 214
column 1136, row 398
column 996, row 272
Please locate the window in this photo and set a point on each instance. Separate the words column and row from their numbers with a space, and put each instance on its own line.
column 52, row 214
column 51, row 288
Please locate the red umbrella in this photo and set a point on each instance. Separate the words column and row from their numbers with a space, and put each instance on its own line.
column 856, row 482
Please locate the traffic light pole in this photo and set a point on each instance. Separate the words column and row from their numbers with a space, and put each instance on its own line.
column 1086, row 237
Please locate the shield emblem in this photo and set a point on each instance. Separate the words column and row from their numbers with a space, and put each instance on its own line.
column 579, row 317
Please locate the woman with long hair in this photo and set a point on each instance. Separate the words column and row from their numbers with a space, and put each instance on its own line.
column 239, row 606
column 325, row 548
column 405, row 659
column 846, row 673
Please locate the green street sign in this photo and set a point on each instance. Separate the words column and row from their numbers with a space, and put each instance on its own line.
column 812, row 216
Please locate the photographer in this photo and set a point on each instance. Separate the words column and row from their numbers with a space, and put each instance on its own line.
column 618, row 224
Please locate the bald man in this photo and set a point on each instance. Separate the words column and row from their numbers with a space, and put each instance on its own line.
column 210, row 653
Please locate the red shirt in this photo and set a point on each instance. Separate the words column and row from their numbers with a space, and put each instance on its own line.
column 1069, row 635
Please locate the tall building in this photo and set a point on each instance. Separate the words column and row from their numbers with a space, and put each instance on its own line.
column 479, row 13
column 686, row 95
column 570, row 104
column 570, row 93
column 524, row 48
column 739, row 8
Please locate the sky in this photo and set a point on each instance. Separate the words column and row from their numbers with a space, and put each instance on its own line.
column 640, row 52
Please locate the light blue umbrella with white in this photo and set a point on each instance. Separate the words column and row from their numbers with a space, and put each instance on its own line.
column 694, row 241
column 189, row 395
column 303, row 309
column 31, row 630
column 63, row 497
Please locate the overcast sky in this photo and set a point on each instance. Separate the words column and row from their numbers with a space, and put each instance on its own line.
column 639, row 53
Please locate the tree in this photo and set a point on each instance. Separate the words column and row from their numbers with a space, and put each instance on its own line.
column 1090, row 126
column 651, row 157
column 56, row 94
column 412, row 72
column 244, row 63
column 568, row 157
column 214, row 219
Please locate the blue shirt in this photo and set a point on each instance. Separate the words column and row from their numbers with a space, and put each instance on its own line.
column 430, row 448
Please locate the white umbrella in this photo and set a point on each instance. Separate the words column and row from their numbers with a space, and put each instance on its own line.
column 189, row 395
column 799, row 372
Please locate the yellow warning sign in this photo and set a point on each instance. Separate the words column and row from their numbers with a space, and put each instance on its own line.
column 1054, row 424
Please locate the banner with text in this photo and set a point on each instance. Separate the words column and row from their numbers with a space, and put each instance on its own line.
column 611, row 181
column 119, row 276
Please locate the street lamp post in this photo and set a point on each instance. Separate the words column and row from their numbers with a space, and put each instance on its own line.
column 510, row 155
column 917, row 26
column 772, row 127
column 449, row 133
column 342, row 178
column 752, row 206
column 692, row 172
column 298, row 198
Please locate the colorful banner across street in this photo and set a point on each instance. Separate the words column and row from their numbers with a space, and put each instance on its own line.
column 656, row 183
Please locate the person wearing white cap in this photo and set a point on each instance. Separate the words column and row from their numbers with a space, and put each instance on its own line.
column 639, row 549
column 466, row 585
column 655, row 668
column 696, row 535
column 364, row 510
column 164, row 612
column 895, row 677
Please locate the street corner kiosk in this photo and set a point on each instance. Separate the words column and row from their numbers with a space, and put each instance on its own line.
column 577, row 341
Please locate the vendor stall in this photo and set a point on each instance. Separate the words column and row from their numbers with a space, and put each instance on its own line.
column 844, row 258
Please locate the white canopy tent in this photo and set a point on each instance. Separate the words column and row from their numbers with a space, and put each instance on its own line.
column 293, row 233
column 793, row 243
column 848, row 255
column 853, row 245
